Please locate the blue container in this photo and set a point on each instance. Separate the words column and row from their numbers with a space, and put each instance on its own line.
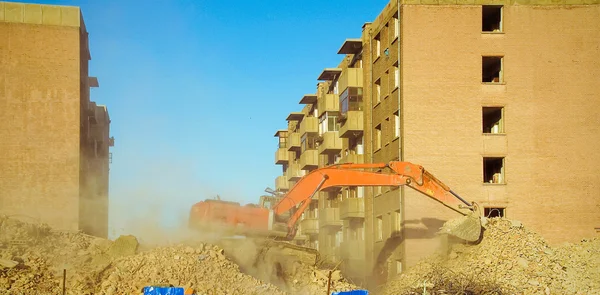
column 163, row 291
column 353, row 292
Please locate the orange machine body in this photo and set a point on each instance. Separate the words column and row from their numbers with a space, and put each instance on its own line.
column 229, row 214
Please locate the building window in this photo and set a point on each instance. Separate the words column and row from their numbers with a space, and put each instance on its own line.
column 351, row 100
column 397, row 124
column 491, row 71
column 493, row 170
column 491, row 20
column 398, row 267
column 283, row 141
column 493, row 212
column 328, row 123
column 396, row 76
column 379, row 228
column 377, row 46
column 493, row 120
column 377, row 91
column 378, row 137
column 396, row 26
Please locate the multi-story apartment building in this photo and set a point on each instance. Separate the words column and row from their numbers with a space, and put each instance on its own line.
column 54, row 152
column 466, row 90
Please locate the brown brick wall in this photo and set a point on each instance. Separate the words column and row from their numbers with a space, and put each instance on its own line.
column 550, row 99
column 50, row 169
column 551, row 105
column 39, row 115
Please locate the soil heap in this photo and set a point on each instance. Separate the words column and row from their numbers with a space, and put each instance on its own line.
column 33, row 258
column 510, row 259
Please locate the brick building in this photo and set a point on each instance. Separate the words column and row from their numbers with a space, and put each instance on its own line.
column 499, row 99
column 54, row 147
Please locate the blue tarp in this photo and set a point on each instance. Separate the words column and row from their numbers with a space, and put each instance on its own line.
column 163, row 291
column 353, row 292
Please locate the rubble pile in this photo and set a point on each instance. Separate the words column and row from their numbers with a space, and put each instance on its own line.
column 33, row 259
column 509, row 260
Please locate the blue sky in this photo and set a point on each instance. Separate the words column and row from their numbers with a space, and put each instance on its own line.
column 197, row 89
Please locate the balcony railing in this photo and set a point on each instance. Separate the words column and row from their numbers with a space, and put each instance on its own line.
column 281, row 183
column 309, row 125
column 330, row 217
column 328, row 103
column 352, row 124
column 331, row 143
column 282, row 156
column 350, row 77
column 294, row 142
column 353, row 158
column 310, row 226
column 352, row 208
column 294, row 173
column 309, row 159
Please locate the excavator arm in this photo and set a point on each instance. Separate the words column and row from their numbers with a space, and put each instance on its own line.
column 396, row 174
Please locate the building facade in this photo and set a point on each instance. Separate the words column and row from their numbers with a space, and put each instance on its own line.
column 465, row 89
column 54, row 141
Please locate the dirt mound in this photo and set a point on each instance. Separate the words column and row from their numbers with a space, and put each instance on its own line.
column 509, row 260
column 33, row 258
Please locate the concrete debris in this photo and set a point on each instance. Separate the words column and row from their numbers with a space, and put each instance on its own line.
column 509, row 260
column 98, row 266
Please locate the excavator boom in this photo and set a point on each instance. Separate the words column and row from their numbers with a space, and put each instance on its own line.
column 397, row 174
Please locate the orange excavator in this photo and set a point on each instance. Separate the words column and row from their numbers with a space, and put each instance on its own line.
column 280, row 220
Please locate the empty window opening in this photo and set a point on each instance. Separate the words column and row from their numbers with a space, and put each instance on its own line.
column 378, row 137
column 396, row 26
column 493, row 120
column 397, row 124
column 377, row 91
column 490, row 212
column 379, row 227
column 492, row 69
column 493, row 170
column 398, row 267
column 377, row 46
column 396, row 76
column 491, row 18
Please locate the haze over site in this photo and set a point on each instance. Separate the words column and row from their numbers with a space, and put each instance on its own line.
column 196, row 89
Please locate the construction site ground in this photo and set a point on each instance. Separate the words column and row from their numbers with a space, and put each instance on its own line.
column 508, row 260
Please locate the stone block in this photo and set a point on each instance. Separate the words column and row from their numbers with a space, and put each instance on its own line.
column 13, row 12
column 411, row 2
column 32, row 14
column 70, row 16
column 51, row 15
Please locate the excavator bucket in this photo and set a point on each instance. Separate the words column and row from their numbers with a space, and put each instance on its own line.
column 467, row 227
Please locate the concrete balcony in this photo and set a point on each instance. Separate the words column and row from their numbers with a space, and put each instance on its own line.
column 294, row 142
column 282, row 156
column 352, row 249
column 309, row 226
column 328, row 103
column 330, row 217
column 309, row 159
column 352, row 124
column 353, row 158
column 281, row 183
column 332, row 143
column 352, row 208
column 309, row 125
column 294, row 173
column 350, row 77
